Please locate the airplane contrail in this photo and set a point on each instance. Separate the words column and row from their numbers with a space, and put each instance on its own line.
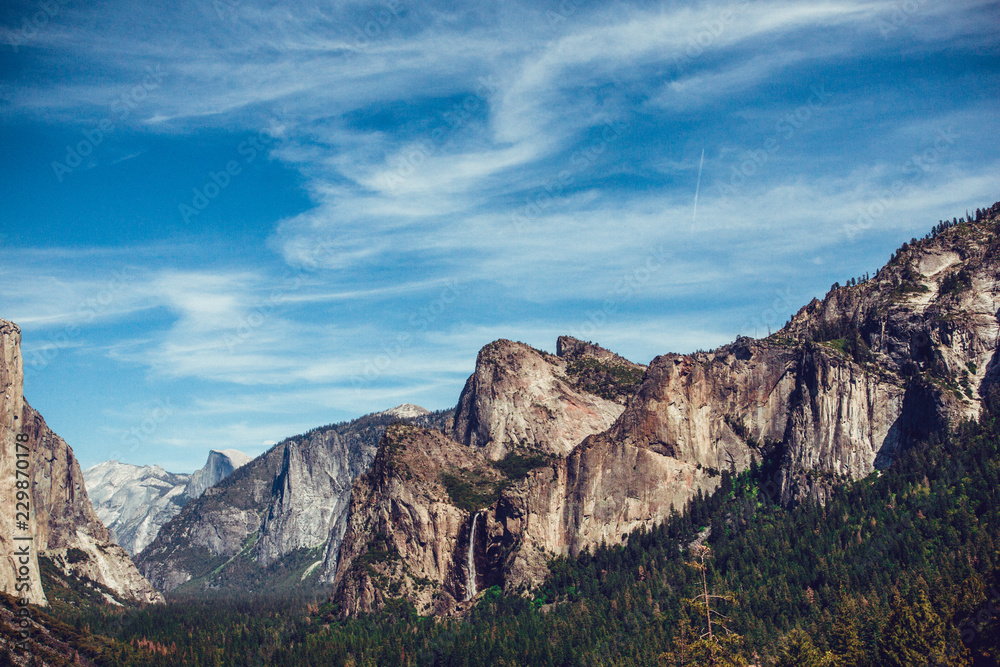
column 698, row 188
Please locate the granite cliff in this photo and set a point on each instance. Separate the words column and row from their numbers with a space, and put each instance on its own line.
column 520, row 398
column 423, row 522
column 849, row 382
column 553, row 454
column 409, row 527
column 64, row 527
column 219, row 466
column 276, row 523
column 135, row 501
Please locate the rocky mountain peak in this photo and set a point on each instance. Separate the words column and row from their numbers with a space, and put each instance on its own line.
column 571, row 348
column 135, row 501
column 220, row 465
column 522, row 399
column 406, row 411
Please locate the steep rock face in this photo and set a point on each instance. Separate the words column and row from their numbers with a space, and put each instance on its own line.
column 520, row 398
column 219, row 466
column 926, row 323
column 601, row 492
column 213, row 528
column 11, row 413
column 406, row 534
column 276, row 521
column 134, row 501
column 836, row 394
column 67, row 521
column 65, row 528
column 311, row 495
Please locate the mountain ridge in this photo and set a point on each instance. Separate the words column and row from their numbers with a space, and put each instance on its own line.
column 135, row 501
column 835, row 394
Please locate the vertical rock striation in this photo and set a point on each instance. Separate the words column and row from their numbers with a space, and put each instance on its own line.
column 66, row 529
column 135, row 501
column 408, row 531
column 278, row 521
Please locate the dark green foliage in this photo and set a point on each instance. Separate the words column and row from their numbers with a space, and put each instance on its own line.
column 908, row 282
column 67, row 591
column 813, row 584
column 469, row 491
column 74, row 555
column 957, row 282
column 916, row 635
column 612, row 380
column 844, row 336
column 515, row 466
column 50, row 640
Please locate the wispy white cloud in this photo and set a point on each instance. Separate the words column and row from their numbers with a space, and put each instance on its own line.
column 547, row 167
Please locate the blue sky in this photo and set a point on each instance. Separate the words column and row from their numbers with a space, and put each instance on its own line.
column 227, row 222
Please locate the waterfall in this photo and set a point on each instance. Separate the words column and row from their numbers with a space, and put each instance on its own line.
column 470, row 587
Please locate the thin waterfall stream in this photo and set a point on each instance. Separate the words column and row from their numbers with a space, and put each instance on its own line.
column 470, row 587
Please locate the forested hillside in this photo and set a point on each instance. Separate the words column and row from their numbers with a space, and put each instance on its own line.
column 901, row 568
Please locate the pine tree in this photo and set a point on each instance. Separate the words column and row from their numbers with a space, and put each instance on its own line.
column 845, row 639
column 916, row 635
column 798, row 650
column 718, row 646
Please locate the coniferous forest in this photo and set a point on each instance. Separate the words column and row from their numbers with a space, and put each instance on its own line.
column 901, row 568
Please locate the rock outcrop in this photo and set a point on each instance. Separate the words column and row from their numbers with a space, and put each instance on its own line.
column 522, row 399
column 277, row 522
column 311, row 494
column 19, row 576
column 219, row 466
column 552, row 454
column 847, row 384
column 410, row 523
column 135, row 501
column 63, row 525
